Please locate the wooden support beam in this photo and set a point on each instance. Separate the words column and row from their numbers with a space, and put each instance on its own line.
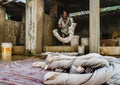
column 95, row 26
column 40, row 25
column 34, row 26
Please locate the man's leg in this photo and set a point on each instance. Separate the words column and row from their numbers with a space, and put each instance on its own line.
column 68, row 44
column 59, row 31
column 63, row 36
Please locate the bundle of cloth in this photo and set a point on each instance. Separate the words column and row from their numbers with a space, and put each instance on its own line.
column 56, row 62
column 61, row 53
column 70, row 31
column 90, row 69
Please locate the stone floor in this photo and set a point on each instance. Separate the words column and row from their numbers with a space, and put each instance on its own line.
column 20, row 57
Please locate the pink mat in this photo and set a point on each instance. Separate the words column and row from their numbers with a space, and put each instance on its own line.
column 21, row 73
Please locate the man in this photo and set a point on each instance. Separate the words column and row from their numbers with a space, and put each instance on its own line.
column 64, row 23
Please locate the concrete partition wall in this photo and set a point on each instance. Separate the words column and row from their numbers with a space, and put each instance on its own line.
column 14, row 32
column 2, row 23
column 34, row 26
column 49, row 25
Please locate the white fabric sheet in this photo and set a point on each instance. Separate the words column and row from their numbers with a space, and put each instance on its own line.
column 67, row 39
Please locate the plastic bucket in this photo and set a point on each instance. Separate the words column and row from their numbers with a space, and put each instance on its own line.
column 6, row 51
column 75, row 40
column 85, row 41
column 81, row 50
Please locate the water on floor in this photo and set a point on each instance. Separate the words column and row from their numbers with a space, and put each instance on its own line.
column 17, row 57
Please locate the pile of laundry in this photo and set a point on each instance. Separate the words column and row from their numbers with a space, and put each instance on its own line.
column 90, row 69
column 61, row 53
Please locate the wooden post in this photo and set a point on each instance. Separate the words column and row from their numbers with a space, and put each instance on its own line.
column 95, row 26
column 34, row 26
column 2, row 24
column 40, row 25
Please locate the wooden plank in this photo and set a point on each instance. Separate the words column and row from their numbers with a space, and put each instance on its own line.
column 95, row 26
column 18, row 50
column 110, row 50
column 61, row 49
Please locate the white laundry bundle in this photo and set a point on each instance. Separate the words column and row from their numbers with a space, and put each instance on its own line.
column 55, row 62
column 61, row 61
column 39, row 64
column 55, row 78
column 115, row 80
column 90, row 69
column 99, row 77
column 61, row 53
column 70, row 31
column 87, row 63
column 104, row 67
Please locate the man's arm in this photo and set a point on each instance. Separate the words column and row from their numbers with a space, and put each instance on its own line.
column 71, row 19
column 60, row 23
